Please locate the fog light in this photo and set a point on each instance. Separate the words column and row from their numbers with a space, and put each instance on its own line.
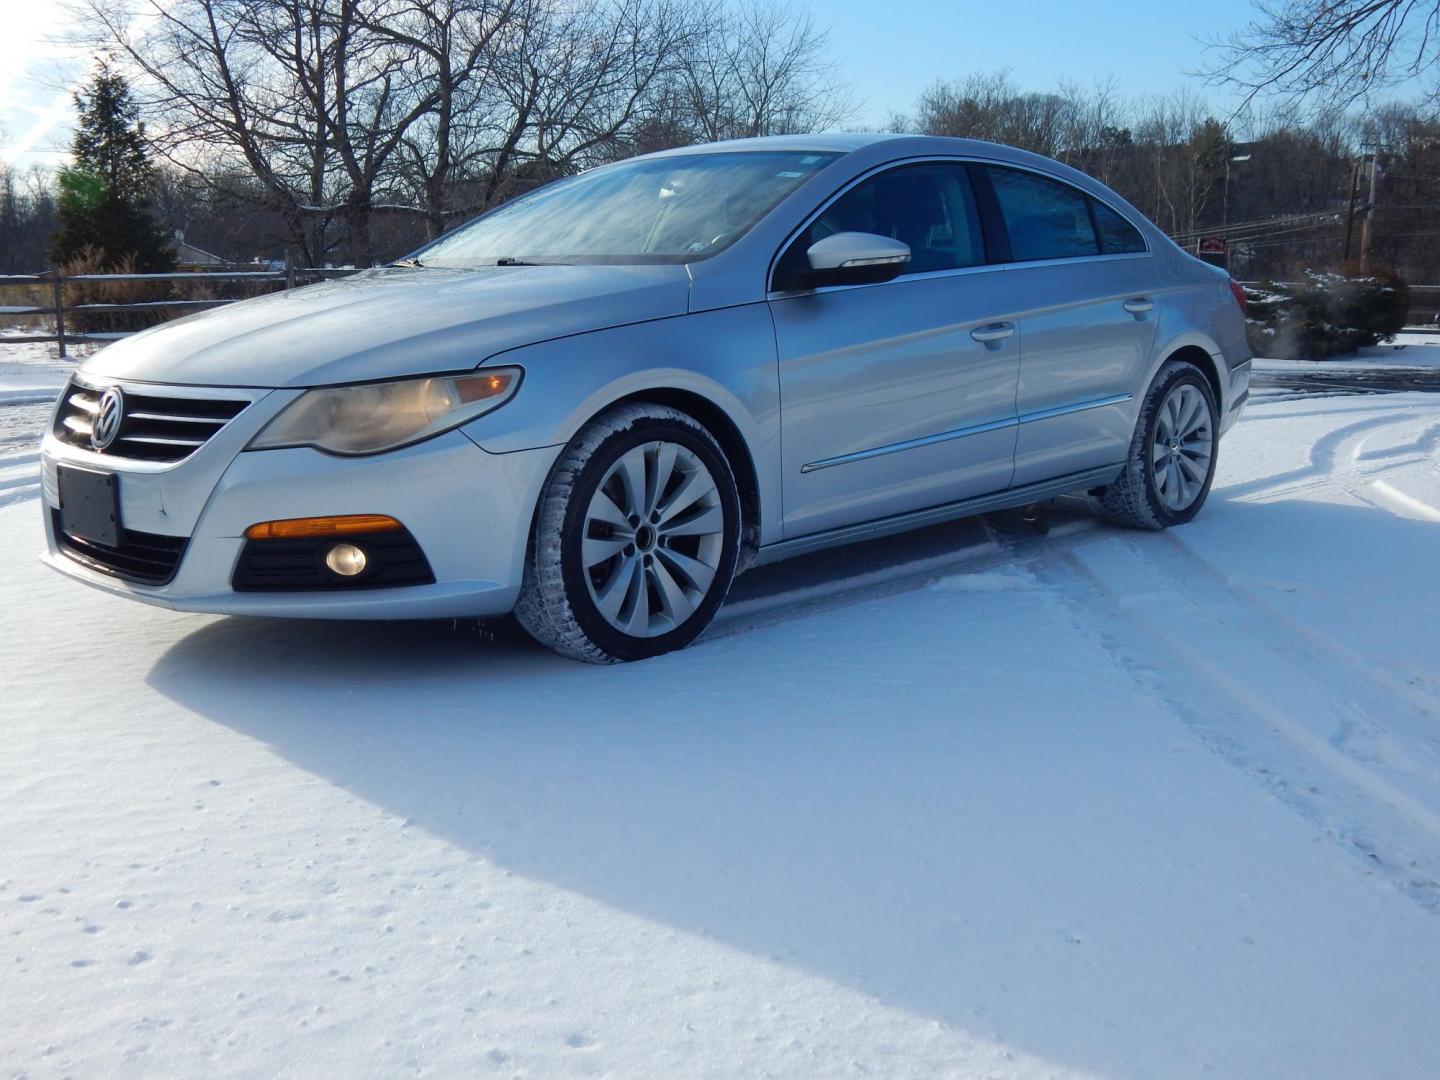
column 347, row 560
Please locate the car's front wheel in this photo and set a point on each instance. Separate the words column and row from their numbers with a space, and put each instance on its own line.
column 636, row 538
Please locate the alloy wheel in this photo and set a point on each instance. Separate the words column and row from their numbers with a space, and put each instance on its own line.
column 653, row 539
column 1183, row 450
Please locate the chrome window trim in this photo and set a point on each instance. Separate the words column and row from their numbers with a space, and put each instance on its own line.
column 780, row 294
column 1068, row 260
column 958, row 271
column 927, row 275
column 966, row 432
column 854, row 182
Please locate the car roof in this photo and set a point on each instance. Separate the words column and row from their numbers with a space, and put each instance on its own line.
column 844, row 142
column 832, row 142
column 882, row 144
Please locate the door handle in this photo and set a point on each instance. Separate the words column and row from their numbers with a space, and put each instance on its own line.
column 1140, row 305
column 992, row 332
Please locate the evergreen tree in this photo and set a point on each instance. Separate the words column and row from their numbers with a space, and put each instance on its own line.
column 105, row 194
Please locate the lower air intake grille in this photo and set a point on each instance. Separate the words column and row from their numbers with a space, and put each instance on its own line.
column 149, row 558
column 153, row 427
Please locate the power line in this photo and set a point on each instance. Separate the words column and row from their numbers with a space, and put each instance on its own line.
column 1259, row 223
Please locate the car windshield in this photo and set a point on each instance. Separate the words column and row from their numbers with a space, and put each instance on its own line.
column 662, row 210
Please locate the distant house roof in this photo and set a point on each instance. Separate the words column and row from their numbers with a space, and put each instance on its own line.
column 187, row 254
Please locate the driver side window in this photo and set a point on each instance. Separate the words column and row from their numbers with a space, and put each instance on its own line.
column 929, row 207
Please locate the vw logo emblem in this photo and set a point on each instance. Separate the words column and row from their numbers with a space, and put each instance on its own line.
column 108, row 415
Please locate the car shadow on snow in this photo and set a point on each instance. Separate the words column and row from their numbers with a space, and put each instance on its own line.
column 946, row 800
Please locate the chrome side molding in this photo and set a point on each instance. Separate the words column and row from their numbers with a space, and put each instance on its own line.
column 966, row 432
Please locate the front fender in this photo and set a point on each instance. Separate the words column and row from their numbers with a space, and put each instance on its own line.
column 728, row 358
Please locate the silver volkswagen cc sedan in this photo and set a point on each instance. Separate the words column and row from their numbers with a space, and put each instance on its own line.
column 596, row 404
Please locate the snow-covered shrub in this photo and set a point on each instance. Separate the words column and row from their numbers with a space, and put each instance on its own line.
column 1325, row 314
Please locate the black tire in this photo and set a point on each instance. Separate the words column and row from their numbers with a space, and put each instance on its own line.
column 556, row 605
column 1133, row 498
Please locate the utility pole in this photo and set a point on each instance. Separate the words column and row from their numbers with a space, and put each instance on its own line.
column 1350, row 211
column 1367, row 226
column 1230, row 159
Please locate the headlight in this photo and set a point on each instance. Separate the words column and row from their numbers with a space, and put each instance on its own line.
column 383, row 416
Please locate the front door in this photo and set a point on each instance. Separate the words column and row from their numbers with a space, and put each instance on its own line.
column 900, row 395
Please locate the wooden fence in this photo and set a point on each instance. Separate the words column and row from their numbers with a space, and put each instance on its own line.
column 56, row 281
column 1424, row 302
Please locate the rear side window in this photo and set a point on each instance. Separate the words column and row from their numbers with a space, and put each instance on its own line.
column 928, row 206
column 1117, row 236
column 1045, row 218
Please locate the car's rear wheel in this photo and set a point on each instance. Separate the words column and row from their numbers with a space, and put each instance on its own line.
column 1171, row 464
column 636, row 538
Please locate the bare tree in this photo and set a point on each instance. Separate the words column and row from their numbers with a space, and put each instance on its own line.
column 1330, row 51
column 760, row 68
column 217, row 98
column 1096, row 137
column 1187, row 150
column 344, row 109
column 991, row 107
column 28, row 216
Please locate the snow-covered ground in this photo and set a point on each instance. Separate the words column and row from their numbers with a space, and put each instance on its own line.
column 973, row 802
column 31, row 375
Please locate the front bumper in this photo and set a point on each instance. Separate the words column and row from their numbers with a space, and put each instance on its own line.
column 469, row 511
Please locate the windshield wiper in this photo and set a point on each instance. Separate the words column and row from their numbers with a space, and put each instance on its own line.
column 508, row 261
column 409, row 264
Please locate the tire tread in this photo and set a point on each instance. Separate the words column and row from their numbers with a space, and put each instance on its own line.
column 1130, row 499
column 543, row 607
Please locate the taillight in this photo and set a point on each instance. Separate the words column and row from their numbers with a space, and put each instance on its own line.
column 1238, row 291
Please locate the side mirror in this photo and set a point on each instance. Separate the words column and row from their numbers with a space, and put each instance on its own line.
column 849, row 258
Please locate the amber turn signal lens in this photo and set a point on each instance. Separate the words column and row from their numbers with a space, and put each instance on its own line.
column 303, row 528
column 479, row 387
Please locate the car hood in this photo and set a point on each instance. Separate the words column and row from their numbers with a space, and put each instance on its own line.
column 390, row 323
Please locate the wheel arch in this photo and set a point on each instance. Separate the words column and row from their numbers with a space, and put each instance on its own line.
column 1194, row 354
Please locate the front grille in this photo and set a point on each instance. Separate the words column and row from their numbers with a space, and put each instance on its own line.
column 149, row 558
column 394, row 558
column 155, row 427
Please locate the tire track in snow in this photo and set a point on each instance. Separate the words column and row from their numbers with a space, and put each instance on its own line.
column 19, row 477
column 1332, row 455
column 1411, row 688
column 1339, row 461
column 1008, row 543
column 1214, row 663
column 1396, row 461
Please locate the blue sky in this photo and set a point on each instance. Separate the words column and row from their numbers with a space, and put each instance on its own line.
column 891, row 51
column 888, row 50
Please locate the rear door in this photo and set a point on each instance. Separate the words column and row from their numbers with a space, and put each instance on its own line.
column 899, row 395
column 1081, row 277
